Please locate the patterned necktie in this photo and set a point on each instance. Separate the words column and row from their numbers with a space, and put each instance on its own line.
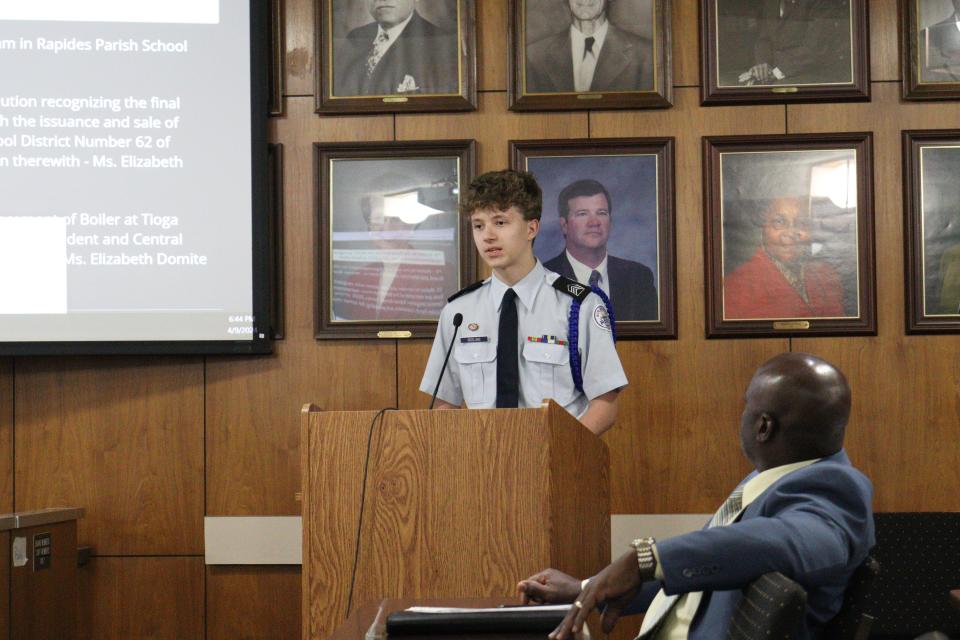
column 588, row 64
column 725, row 515
column 728, row 510
column 508, row 366
column 595, row 278
column 377, row 49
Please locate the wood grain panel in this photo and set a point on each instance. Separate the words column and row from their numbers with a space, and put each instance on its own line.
column 121, row 437
column 253, row 403
column 884, row 33
column 493, row 50
column 428, row 501
column 329, row 549
column 686, row 47
column 155, row 598
column 6, row 435
column 253, row 603
column 301, row 57
column 493, row 126
column 905, row 388
column 55, row 586
column 5, row 554
column 678, row 414
column 412, row 358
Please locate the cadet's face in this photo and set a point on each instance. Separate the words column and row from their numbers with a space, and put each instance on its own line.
column 390, row 13
column 786, row 230
column 503, row 237
column 587, row 9
column 587, row 224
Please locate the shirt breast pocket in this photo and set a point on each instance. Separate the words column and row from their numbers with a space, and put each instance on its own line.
column 477, row 363
column 550, row 366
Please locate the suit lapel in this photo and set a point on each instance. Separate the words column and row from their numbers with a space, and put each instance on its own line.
column 615, row 56
column 561, row 73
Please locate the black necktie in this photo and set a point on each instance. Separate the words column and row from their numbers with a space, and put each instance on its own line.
column 508, row 367
column 588, row 45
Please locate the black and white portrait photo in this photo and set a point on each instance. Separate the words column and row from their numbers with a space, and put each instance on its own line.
column 393, row 47
column 783, row 42
column 574, row 46
column 939, row 41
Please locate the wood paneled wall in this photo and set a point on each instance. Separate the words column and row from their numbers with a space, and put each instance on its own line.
column 150, row 445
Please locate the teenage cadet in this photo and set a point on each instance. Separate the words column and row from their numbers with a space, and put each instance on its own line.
column 527, row 333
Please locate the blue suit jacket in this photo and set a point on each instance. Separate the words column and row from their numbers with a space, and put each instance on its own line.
column 815, row 526
column 633, row 292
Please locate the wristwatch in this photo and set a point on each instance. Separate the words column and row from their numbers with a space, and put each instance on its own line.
column 646, row 561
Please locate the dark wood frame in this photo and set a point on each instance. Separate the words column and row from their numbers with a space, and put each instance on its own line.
column 465, row 100
column 918, row 321
column 911, row 87
column 277, row 54
column 712, row 94
column 275, row 237
column 716, row 326
column 324, row 326
column 661, row 96
column 666, row 326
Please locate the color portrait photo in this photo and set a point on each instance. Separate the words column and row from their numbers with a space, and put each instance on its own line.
column 790, row 235
column 394, row 238
column 600, row 226
column 939, row 168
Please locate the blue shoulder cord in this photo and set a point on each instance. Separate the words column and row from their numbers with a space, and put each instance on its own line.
column 573, row 335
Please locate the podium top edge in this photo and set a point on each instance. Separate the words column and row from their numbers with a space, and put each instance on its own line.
column 38, row 518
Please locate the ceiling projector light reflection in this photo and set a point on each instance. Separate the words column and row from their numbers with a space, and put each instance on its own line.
column 407, row 207
column 837, row 181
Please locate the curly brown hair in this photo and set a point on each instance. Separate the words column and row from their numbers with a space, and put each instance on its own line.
column 504, row 189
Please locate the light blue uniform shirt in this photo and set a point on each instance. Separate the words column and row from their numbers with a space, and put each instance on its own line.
column 543, row 313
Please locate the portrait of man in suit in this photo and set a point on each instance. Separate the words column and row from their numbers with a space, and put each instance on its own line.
column 585, row 211
column 940, row 41
column 588, row 53
column 400, row 52
column 784, row 42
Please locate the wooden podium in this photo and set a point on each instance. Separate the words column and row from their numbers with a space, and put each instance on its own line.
column 445, row 504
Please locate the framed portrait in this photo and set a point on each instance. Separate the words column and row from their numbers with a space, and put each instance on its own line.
column 930, row 49
column 789, row 235
column 391, row 246
column 608, row 221
column 756, row 51
column 931, row 164
column 590, row 54
column 403, row 55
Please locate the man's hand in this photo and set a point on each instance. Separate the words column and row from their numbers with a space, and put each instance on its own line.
column 548, row 587
column 616, row 585
column 763, row 72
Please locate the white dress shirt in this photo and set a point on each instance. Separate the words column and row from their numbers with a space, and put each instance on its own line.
column 582, row 272
column 585, row 64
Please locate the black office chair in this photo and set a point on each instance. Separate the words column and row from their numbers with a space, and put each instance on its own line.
column 771, row 609
column 920, row 556
column 859, row 610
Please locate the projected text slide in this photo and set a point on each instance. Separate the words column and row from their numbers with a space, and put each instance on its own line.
column 125, row 155
column 169, row 11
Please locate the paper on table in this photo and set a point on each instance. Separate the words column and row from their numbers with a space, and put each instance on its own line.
column 544, row 607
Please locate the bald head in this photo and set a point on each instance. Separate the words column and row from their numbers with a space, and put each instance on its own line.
column 796, row 408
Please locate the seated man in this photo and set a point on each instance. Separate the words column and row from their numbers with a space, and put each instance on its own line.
column 804, row 512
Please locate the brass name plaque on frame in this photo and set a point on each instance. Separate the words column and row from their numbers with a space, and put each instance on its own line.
column 394, row 335
column 784, row 90
column 791, row 325
column 396, row 99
